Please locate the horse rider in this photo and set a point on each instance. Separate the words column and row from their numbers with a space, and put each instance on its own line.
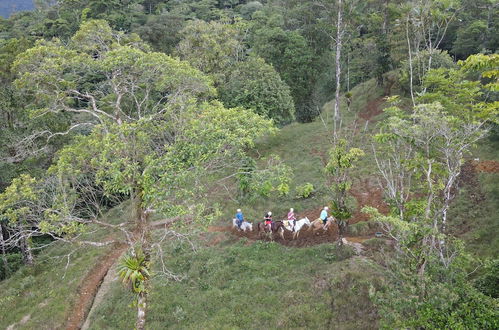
column 291, row 218
column 324, row 216
column 239, row 218
column 268, row 220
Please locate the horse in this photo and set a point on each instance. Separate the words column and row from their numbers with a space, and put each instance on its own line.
column 298, row 226
column 244, row 226
column 277, row 226
column 318, row 224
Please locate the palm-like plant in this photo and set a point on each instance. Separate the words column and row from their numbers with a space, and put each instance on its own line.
column 134, row 270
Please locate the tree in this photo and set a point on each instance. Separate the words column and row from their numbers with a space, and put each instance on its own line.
column 216, row 49
column 146, row 132
column 211, row 47
column 292, row 58
column 17, row 205
column 335, row 13
column 342, row 159
column 426, row 23
column 255, row 85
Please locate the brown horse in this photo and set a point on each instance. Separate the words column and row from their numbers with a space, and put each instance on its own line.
column 276, row 227
column 318, row 224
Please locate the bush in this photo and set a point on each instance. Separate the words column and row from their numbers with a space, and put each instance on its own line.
column 305, row 191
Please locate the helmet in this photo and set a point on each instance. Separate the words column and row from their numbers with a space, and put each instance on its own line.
column 238, row 210
column 270, row 213
column 326, row 208
column 291, row 209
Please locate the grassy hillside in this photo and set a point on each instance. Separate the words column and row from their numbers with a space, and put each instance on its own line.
column 231, row 282
column 238, row 284
column 42, row 296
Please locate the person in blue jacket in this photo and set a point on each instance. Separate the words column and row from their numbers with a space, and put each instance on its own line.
column 240, row 218
column 323, row 216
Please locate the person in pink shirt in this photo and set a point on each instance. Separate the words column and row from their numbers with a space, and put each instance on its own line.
column 291, row 218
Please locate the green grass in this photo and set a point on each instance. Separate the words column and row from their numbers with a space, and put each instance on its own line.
column 117, row 310
column 47, row 291
column 261, row 286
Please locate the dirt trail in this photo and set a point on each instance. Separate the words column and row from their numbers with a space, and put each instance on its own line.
column 110, row 277
column 373, row 108
column 90, row 286
column 487, row 166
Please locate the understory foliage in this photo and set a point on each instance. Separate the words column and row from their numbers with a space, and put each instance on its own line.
column 420, row 155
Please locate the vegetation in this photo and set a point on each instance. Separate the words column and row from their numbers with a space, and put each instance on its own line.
column 173, row 114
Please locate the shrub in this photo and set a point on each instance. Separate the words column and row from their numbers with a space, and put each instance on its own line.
column 305, row 191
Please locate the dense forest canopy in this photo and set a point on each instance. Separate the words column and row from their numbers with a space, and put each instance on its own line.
column 161, row 104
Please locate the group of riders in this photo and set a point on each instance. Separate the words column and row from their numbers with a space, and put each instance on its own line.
column 289, row 223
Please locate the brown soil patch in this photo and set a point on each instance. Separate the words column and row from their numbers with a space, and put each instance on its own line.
column 469, row 179
column 89, row 287
column 367, row 194
column 306, row 237
column 373, row 108
column 487, row 166
column 358, row 239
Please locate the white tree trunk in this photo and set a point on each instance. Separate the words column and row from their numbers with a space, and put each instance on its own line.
column 339, row 37
column 141, row 311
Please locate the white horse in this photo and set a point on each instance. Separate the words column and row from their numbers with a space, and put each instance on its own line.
column 298, row 226
column 244, row 226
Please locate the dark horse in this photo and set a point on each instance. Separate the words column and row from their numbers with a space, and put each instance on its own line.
column 277, row 226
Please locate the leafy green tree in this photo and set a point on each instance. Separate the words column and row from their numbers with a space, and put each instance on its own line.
column 211, row 47
column 342, row 159
column 255, row 85
column 161, row 31
column 419, row 67
column 291, row 56
column 432, row 141
column 442, row 297
column 151, row 134
column 17, row 204
column 470, row 39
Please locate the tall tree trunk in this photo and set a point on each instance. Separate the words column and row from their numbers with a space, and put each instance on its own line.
column 142, row 216
column 26, row 252
column 4, row 252
column 411, row 71
column 141, row 311
column 339, row 37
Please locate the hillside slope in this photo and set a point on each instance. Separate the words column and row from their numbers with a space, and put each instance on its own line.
column 234, row 282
